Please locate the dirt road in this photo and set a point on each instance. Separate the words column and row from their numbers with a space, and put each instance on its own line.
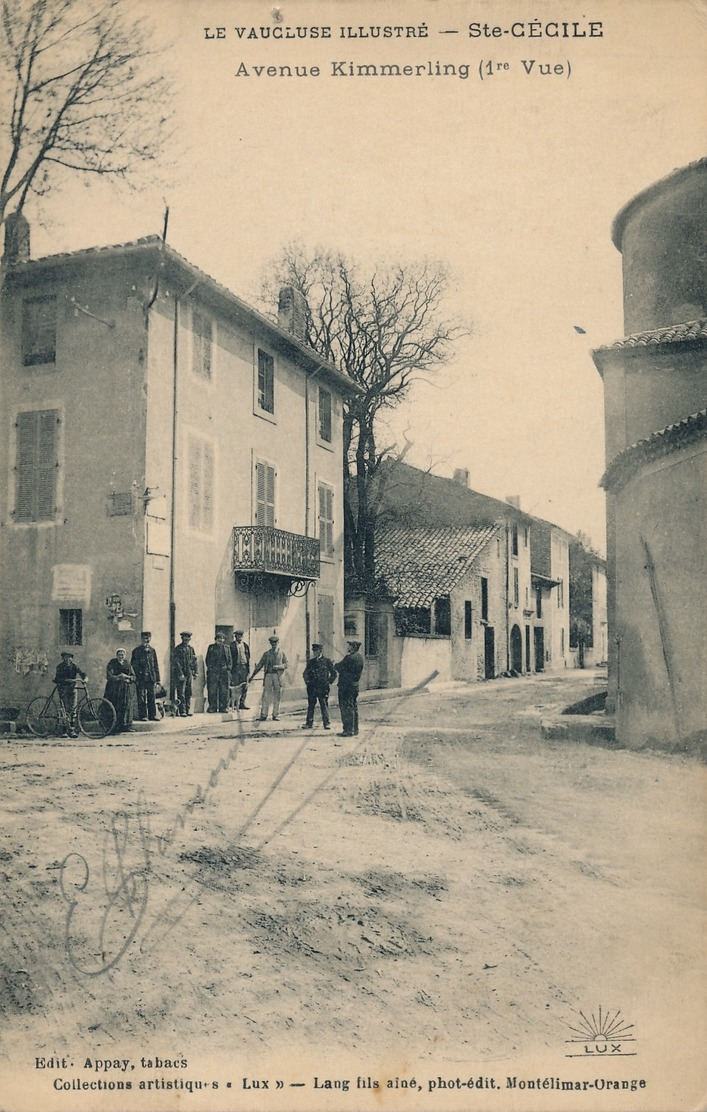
column 448, row 897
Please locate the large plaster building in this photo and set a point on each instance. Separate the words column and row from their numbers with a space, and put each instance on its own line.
column 655, row 396
column 174, row 460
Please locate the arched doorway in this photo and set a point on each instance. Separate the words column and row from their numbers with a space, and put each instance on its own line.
column 516, row 649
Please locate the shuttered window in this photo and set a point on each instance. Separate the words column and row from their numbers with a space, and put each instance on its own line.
column 326, row 519
column 324, row 415
column 37, row 465
column 266, row 382
column 201, row 485
column 264, row 494
column 38, row 331
column 202, row 341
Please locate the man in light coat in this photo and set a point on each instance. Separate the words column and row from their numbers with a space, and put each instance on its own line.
column 274, row 664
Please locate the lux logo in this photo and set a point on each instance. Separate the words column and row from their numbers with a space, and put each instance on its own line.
column 595, row 1034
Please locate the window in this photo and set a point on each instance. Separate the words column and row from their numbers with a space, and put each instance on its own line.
column 561, row 593
column 514, row 536
column 201, row 485
column 467, row 621
column 443, row 616
column 526, row 536
column 266, row 382
column 202, row 342
column 326, row 520
column 324, row 415
column 38, row 331
column 516, row 587
column 562, row 641
column 37, row 465
column 71, row 627
column 265, row 476
column 538, row 602
column 484, row 599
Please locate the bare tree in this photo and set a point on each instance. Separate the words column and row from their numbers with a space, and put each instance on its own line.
column 81, row 95
column 386, row 330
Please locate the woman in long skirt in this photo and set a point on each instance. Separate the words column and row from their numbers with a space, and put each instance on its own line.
column 120, row 688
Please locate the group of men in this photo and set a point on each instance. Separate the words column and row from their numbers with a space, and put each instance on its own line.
column 228, row 676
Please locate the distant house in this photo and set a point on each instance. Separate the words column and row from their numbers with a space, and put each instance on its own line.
column 655, row 403
column 447, row 585
column 425, row 551
column 175, row 461
column 588, row 615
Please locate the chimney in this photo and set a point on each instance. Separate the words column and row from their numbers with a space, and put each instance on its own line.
column 16, row 239
column 461, row 476
column 292, row 312
column 513, row 500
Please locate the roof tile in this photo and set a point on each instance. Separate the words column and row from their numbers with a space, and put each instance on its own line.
column 420, row 564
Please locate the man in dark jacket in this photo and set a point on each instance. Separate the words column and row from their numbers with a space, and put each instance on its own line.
column 349, row 669
column 240, row 668
column 183, row 673
column 147, row 674
column 67, row 673
column 318, row 676
column 218, row 674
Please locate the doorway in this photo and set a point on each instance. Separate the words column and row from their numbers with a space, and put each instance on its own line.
column 539, row 635
column 489, row 653
column 516, row 650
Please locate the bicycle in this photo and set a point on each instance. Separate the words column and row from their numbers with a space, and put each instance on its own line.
column 47, row 716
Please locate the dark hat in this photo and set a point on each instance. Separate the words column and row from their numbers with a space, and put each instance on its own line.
column 219, row 636
column 316, row 645
column 274, row 638
column 146, row 633
column 66, row 652
column 354, row 644
column 237, row 632
column 185, row 633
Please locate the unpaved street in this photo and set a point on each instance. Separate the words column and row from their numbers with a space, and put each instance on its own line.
column 444, row 896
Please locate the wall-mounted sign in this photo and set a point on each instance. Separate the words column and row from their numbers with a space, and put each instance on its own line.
column 71, row 583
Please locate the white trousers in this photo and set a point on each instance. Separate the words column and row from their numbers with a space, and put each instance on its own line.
column 272, row 688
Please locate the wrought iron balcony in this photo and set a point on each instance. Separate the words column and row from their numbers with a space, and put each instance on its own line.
column 260, row 550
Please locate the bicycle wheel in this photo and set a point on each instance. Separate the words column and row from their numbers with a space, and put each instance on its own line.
column 96, row 717
column 43, row 718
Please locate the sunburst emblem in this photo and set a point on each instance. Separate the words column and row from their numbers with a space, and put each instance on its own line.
column 602, row 1031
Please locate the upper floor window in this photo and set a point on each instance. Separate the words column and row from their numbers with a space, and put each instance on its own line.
column 484, row 599
column 326, row 520
column 468, row 620
column 325, row 411
column 201, row 485
column 265, row 476
column 516, row 588
column 266, row 382
column 38, row 331
column 37, row 465
column 514, row 539
column 561, row 593
column 202, row 334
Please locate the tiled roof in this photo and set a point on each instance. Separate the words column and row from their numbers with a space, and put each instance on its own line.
column 168, row 254
column 672, row 334
column 420, row 564
column 661, row 443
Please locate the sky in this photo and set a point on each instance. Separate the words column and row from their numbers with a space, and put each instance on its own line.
column 512, row 181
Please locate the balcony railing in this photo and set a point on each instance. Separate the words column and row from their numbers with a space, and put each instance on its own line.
column 258, row 549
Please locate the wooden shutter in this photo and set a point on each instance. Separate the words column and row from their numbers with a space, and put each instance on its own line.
column 207, row 489
column 36, row 465
column 265, row 494
column 194, row 484
column 326, row 518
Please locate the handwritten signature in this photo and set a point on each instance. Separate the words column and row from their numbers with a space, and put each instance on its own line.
column 113, row 916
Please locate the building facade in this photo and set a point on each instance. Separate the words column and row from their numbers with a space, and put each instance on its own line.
column 174, row 462
column 655, row 399
column 505, row 611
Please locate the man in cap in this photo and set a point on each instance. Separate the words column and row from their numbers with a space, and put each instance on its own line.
column 147, row 674
column 183, row 673
column 273, row 663
column 218, row 674
column 65, row 677
column 318, row 676
column 240, row 667
column 349, row 670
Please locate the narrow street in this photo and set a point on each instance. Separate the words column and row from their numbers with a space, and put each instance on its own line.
column 448, row 894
